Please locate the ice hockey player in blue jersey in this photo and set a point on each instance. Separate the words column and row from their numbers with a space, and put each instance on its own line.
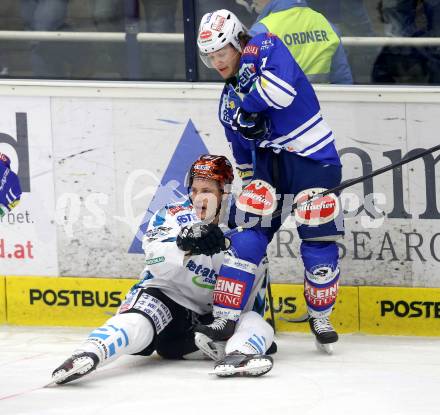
column 10, row 190
column 175, row 290
column 284, row 152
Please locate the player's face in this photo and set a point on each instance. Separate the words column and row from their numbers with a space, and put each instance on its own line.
column 206, row 197
column 225, row 61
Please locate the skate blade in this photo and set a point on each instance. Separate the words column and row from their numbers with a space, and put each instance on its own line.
column 301, row 319
column 325, row 348
column 62, row 375
column 258, row 368
column 203, row 342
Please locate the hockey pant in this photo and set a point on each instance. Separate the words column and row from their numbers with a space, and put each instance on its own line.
column 283, row 179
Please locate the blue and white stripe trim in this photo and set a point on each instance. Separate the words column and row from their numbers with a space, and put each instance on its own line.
column 274, row 91
column 306, row 139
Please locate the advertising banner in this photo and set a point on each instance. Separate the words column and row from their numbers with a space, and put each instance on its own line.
column 290, row 309
column 2, row 300
column 117, row 160
column 28, row 244
column 37, row 301
column 399, row 310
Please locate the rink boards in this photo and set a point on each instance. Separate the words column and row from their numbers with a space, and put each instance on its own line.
column 48, row 301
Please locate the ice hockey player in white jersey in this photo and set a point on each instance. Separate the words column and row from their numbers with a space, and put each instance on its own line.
column 174, row 293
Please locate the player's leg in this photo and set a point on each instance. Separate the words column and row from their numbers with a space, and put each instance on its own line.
column 320, row 224
column 234, row 287
column 141, row 318
column 245, row 350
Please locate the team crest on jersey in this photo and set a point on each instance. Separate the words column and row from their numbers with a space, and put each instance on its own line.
column 258, row 197
column 316, row 211
column 246, row 74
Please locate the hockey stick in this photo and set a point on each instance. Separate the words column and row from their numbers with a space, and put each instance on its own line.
column 271, row 310
column 352, row 182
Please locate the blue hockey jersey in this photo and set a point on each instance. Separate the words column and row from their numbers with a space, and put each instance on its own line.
column 271, row 82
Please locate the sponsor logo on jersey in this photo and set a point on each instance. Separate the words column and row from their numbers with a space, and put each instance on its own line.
column 316, row 211
column 258, row 197
column 229, row 292
column 206, row 272
column 321, row 274
column 252, row 50
column 186, row 218
column 156, row 260
column 240, row 264
column 266, row 44
column 176, row 209
column 320, row 297
column 218, row 23
column 204, row 282
column 155, row 233
column 413, row 309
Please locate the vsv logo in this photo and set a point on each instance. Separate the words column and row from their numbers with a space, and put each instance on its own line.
column 189, row 148
column 20, row 145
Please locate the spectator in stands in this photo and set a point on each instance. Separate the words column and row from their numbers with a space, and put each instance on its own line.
column 415, row 18
column 405, row 64
column 124, row 15
column 46, row 15
column 310, row 37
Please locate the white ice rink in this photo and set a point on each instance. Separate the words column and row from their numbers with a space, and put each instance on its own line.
column 366, row 375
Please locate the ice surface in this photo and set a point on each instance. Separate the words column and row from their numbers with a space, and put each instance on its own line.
column 365, row 375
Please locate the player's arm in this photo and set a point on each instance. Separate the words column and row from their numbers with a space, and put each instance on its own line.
column 10, row 190
column 277, row 70
column 159, row 244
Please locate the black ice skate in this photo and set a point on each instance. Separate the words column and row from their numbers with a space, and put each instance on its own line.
column 324, row 333
column 219, row 330
column 211, row 338
column 238, row 364
column 75, row 367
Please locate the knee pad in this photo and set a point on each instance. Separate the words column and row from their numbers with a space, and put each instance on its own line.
column 321, row 276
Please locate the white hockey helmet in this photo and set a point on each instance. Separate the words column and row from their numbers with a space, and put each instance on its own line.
column 218, row 29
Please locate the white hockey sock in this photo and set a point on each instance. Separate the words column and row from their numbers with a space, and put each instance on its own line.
column 122, row 334
column 253, row 335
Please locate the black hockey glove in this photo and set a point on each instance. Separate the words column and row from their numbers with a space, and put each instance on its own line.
column 252, row 126
column 202, row 239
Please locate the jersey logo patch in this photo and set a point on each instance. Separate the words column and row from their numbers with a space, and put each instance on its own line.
column 251, row 50
column 258, row 197
column 229, row 292
column 316, row 211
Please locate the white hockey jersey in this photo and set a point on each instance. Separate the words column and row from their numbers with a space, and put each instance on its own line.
column 187, row 280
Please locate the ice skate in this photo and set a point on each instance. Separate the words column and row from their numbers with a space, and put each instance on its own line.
column 214, row 350
column 325, row 334
column 74, row 368
column 238, row 364
column 220, row 329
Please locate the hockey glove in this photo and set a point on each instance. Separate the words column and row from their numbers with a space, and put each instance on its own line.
column 252, row 126
column 10, row 190
column 202, row 239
